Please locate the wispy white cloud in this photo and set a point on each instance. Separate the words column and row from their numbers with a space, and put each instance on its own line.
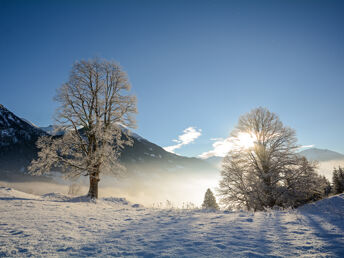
column 189, row 135
column 220, row 148
column 306, row 146
column 302, row 147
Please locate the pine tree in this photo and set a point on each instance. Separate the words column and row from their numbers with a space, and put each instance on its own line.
column 338, row 180
column 327, row 186
column 209, row 201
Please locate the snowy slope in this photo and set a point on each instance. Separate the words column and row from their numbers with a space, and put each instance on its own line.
column 55, row 225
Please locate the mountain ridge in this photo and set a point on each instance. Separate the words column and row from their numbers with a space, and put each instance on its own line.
column 18, row 147
column 18, row 138
column 316, row 154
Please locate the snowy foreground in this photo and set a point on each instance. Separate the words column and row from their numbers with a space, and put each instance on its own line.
column 56, row 225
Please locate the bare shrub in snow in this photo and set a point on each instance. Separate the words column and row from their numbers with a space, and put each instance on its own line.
column 188, row 206
column 95, row 107
column 263, row 168
column 169, row 204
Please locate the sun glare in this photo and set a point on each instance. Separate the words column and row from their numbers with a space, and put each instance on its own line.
column 246, row 140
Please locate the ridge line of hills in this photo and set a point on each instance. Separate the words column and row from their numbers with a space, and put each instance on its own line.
column 18, row 138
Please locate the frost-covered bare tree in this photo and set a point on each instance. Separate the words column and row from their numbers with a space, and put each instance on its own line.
column 263, row 168
column 95, row 109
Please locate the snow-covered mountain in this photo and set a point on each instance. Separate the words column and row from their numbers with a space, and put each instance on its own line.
column 17, row 142
column 15, row 130
column 321, row 154
column 18, row 138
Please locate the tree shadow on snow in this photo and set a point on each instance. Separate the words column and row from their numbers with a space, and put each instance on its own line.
column 16, row 199
column 333, row 237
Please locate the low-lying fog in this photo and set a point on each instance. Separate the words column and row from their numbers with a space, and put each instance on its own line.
column 162, row 190
column 178, row 190
column 325, row 168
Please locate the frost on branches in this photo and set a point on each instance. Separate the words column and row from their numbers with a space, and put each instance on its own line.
column 268, row 172
column 95, row 108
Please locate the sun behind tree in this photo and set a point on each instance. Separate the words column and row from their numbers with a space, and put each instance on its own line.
column 264, row 169
column 95, row 110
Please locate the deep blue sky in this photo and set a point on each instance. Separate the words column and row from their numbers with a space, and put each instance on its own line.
column 191, row 63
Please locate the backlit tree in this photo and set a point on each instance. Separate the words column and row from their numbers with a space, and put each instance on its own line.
column 263, row 169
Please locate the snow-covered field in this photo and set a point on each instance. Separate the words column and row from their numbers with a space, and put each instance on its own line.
column 57, row 225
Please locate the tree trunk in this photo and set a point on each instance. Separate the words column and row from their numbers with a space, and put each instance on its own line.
column 269, row 194
column 93, row 192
